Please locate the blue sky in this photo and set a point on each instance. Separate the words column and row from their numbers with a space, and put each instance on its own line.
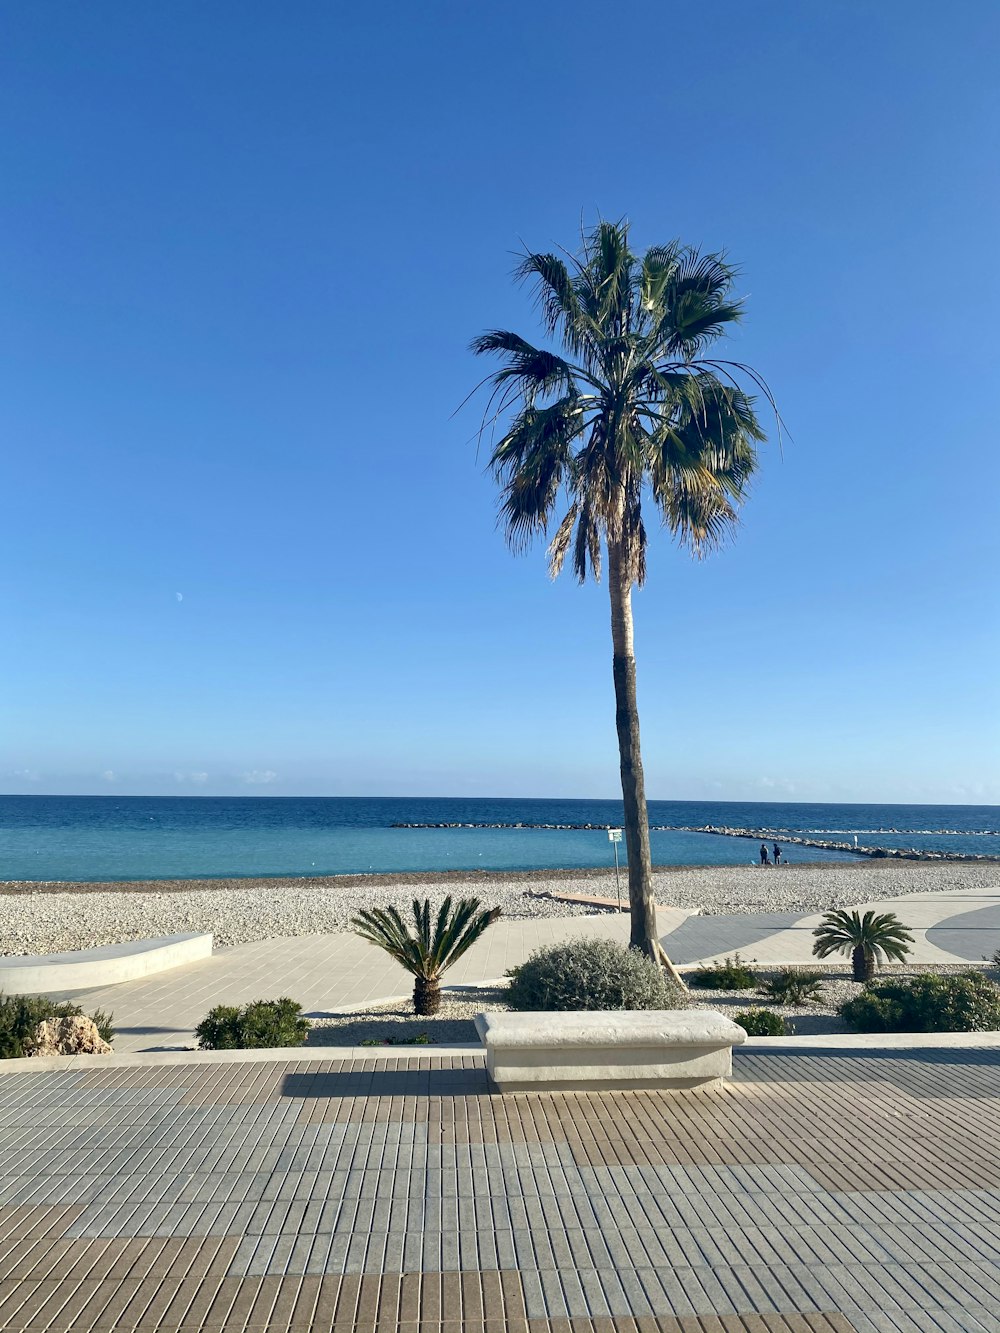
column 249, row 547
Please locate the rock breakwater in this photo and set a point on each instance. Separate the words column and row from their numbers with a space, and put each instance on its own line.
column 830, row 845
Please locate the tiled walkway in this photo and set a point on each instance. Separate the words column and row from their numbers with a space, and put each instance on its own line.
column 817, row 1193
column 321, row 972
column 332, row 972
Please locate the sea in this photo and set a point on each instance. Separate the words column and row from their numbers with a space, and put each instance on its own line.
column 94, row 838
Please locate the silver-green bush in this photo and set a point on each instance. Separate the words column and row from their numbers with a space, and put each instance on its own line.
column 591, row 974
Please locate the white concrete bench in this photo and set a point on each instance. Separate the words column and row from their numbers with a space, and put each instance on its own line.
column 105, row 966
column 608, row 1049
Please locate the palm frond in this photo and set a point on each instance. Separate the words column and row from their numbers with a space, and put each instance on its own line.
column 558, row 298
column 425, row 949
column 560, row 543
column 632, row 403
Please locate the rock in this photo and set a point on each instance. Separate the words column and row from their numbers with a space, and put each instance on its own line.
column 67, row 1036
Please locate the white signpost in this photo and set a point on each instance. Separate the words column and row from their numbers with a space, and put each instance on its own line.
column 615, row 837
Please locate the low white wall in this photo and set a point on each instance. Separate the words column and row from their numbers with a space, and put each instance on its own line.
column 100, row 967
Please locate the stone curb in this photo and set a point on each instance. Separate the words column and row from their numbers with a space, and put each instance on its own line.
column 868, row 1042
column 272, row 1055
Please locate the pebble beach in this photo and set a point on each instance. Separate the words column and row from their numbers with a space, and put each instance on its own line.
column 38, row 918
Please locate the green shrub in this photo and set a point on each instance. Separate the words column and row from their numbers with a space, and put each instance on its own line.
column 962, row 1002
column 761, row 1023
column 792, row 985
column 730, row 974
column 260, row 1025
column 21, row 1014
column 422, row 1039
column 591, row 974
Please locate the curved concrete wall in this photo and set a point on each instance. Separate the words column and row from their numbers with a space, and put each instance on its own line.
column 100, row 967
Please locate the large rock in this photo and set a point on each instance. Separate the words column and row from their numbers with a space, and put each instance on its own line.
column 67, row 1036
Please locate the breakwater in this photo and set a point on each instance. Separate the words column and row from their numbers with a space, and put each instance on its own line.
column 830, row 845
column 757, row 834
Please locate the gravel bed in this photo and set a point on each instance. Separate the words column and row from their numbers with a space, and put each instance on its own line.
column 458, row 1008
column 813, row 1019
column 397, row 1023
column 47, row 918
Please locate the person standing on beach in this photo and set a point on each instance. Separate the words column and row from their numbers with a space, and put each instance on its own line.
column 777, row 855
column 763, row 855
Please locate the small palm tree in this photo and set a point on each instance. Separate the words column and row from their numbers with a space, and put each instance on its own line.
column 869, row 939
column 426, row 952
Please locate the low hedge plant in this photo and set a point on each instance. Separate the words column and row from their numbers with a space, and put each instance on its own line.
column 960, row 1002
column 761, row 1023
column 731, row 974
column 591, row 974
column 256, row 1026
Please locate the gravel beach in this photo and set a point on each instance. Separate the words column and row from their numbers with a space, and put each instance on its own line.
column 50, row 917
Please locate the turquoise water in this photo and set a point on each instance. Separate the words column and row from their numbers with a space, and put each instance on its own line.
column 97, row 838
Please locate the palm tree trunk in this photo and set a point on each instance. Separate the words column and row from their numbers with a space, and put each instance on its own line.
column 861, row 962
column 642, row 904
column 426, row 996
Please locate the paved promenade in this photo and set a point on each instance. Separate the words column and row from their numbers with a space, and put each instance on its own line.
column 828, row 1192
column 334, row 972
column 321, row 972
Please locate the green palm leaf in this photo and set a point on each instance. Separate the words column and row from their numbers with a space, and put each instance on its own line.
column 427, row 948
column 869, row 939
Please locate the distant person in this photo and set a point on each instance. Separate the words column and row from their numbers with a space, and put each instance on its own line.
column 763, row 855
column 777, row 855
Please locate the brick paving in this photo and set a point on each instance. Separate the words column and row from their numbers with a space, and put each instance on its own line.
column 820, row 1192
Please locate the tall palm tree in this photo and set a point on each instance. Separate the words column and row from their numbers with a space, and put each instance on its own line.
column 633, row 407
column 868, row 939
column 431, row 949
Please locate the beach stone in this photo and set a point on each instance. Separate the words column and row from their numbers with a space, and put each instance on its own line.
column 67, row 1036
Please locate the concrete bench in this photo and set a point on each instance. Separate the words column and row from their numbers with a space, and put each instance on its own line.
column 685, row 1048
column 100, row 967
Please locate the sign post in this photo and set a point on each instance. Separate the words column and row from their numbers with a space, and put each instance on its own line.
column 615, row 837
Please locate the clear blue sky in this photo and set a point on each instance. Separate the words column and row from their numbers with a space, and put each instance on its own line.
column 248, row 547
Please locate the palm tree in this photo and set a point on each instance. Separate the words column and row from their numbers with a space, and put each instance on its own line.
column 869, row 939
column 633, row 407
column 427, row 952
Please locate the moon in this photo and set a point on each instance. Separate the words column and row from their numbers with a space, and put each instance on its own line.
column 179, row 596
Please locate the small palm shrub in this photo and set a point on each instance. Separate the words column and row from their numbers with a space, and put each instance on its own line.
column 962, row 1002
column 429, row 950
column 257, row 1026
column 20, row 1015
column 761, row 1023
column 730, row 974
column 869, row 939
column 793, row 985
column 591, row 974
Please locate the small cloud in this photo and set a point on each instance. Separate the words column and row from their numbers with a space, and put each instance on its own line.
column 179, row 596
column 197, row 778
column 109, row 775
column 259, row 777
column 27, row 774
column 779, row 784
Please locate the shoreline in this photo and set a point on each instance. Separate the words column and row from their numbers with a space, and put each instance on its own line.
column 393, row 878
